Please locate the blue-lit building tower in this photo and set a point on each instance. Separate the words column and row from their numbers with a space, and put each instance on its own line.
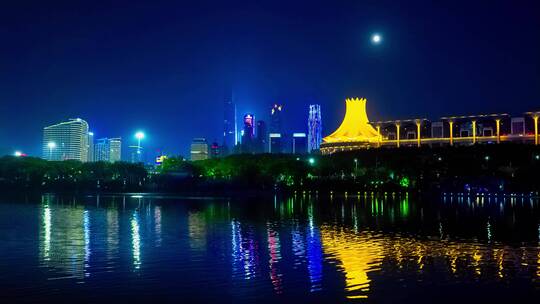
column 229, row 124
column 314, row 127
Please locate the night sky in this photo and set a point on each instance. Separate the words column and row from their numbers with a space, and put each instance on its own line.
column 165, row 67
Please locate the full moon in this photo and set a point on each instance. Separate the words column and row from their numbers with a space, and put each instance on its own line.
column 376, row 38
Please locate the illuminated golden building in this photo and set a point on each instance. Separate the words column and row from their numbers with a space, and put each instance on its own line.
column 357, row 132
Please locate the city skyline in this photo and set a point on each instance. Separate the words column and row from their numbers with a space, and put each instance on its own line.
column 491, row 65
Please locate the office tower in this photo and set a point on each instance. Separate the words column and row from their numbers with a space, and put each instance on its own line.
column 276, row 120
column 115, row 149
column 199, row 149
column 215, row 150
column 248, row 135
column 314, row 128
column 108, row 149
column 136, row 154
column 229, row 124
column 102, row 150
column 90, row 147
column 261, row 137
column 66, row 140
column 275, row 143
column 299, row 144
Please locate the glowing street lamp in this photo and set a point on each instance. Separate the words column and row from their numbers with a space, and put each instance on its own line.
column 51, row 146
column 139, row 135
column 311, row 161
column 18, row 153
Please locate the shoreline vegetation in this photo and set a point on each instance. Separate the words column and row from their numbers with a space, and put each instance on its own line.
column 471, row 169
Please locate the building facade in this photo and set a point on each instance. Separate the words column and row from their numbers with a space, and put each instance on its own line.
column 108, row 149
column 261, row 138
column 275, row 143
column 66, row 141
column 115, row 149
column 299, row 143
column 229, row 124
column 199, row 149
column 314, row 128
column 248, row 134
column 90, row 147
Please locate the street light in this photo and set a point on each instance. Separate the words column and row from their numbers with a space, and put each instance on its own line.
column 51, row 146
column 139, row 135
column 311, row 160
column 18, row 153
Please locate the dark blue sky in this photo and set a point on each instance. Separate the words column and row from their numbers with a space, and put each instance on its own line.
column 165, row 66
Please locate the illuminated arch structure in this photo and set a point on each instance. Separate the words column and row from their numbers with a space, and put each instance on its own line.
column 357, row 132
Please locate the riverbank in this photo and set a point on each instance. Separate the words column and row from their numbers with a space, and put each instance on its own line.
column 471, row 169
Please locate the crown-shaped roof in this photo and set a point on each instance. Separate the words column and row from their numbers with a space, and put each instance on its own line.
column 355, row 126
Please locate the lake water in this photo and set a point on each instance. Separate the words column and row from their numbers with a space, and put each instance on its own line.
column 361, row 248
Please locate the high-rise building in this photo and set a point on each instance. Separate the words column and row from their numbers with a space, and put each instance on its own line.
column 199, row 149
column 314, row 128
column 102, row 150
column 276, row 120
column 90, row 147
column 66, row 140
column 299, row 143
column 275, row 143
column 108, row 149
column 261, row 137
column 229, row 124
column 215, row 150
column 248, row 135
column 115, row 149
column 136, row 154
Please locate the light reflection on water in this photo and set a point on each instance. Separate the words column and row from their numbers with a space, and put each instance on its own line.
column 358, row 247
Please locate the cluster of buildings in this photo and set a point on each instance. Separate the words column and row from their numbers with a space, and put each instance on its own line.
column 72, row 140
column 357, row 132
column 255, row 136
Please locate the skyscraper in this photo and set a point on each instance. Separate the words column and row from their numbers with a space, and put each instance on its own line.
column 275, row 143
column 229, row 124
column 108, row 149
column 199, row 149
column 90, row 147
column 66, row 140
column 115, row 149
column 276, row 120
column 248, row 136
column 215, row 150
column 314, row 127
column 261, row 136
column 102, row 150
column 299, row 144
column 136, row 154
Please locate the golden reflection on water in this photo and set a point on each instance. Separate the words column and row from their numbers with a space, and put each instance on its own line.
column 361, row 255
column 357, row 254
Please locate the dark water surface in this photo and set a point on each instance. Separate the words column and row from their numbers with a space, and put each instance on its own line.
column 385, row 249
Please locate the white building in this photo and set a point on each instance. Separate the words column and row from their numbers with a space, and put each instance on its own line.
column 66, row 141
column 108, row 149
column 199, row 149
